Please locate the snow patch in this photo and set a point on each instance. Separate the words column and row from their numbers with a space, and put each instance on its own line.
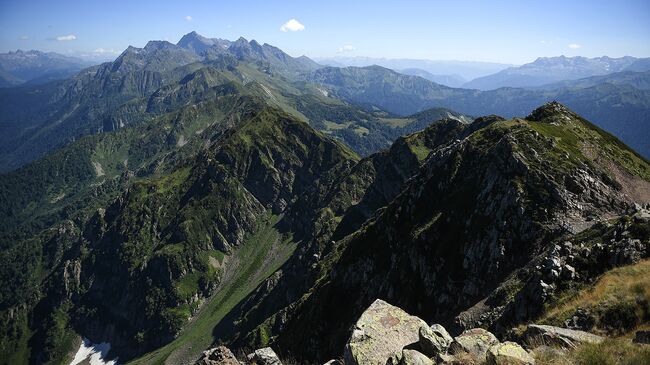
column 93, row 353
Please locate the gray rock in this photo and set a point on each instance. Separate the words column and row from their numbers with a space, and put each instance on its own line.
column 266, row 356
column 508, row 353
column 434, row 340
column 412, row 357
column 476, row 342
column 557, row 336
column 220, row 355
column 380, row 334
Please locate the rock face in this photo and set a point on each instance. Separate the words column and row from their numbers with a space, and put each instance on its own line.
column 508, row 353
column 557, row 336
column 266, row 356
column 476, row 342
column 434, row 340
column 380, row 334
column 218, row 356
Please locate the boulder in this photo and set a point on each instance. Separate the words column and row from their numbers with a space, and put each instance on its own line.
column 218, row 356
column 475, row 342
column 413, row 357
column 380, row 334
column 556, row 336
column 508, row 353
column 434, row 340
column 266, row 356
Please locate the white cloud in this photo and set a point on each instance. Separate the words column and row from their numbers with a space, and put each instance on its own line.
column 574, row 46
column 292, row 26
column 23, row 37
column 347, row 48
column 188, row 18
column 105, row 51
column 69, row 37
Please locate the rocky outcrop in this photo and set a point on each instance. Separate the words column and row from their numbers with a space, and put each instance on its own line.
column 218, row 356
column 380, row 334
column 385, row 334
column 508, row 353
column 557, row 336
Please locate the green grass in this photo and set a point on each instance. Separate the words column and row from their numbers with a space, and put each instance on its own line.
column 261, row 254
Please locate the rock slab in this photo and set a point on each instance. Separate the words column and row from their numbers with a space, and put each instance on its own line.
column 562, row 337
column 380, row 334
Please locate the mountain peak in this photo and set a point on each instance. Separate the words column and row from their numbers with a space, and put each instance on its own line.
column 193, row 35
column 549, row 112
column 157, row 45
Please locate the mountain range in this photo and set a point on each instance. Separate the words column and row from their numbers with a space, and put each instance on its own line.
column 223, row 192
column 547, row 70
column 467, row 70
column 131, row 89
column 35, row 67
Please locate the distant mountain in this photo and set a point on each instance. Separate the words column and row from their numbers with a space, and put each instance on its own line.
column 139, row 84
column 36, row 67
column 638, row 80
column 447, row 80
column 466, row 69
column 545, row 70
column 621, row 109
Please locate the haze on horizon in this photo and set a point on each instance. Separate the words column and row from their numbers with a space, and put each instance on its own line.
column 513, row 32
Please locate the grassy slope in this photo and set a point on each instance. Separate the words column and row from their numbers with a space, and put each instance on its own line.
column 625, row 287
column 616, row 289
column 262, row 254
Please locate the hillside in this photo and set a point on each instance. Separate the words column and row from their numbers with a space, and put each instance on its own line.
column 440, row 232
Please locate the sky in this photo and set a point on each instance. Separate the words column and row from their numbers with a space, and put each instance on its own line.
column 512, row 32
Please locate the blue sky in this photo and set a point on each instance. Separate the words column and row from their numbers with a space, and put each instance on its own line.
column 499, row 31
